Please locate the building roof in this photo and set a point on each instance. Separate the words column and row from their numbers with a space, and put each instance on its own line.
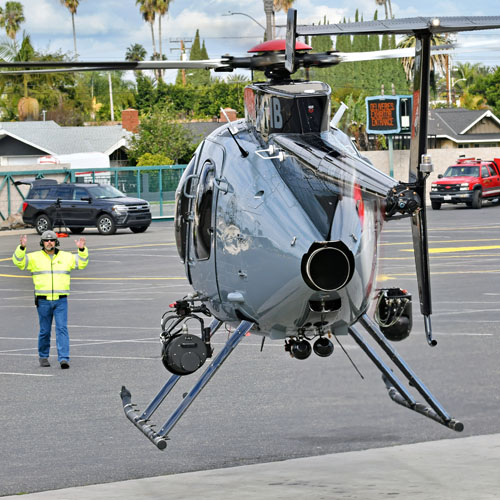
column 455, row 123
column 200, row 130
column 48, row 136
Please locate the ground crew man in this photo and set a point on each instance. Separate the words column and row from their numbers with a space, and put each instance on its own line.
column 51, row 268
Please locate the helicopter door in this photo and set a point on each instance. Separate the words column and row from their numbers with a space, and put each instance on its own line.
column 201, row 262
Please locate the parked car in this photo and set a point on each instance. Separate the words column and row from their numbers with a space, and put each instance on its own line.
column 470, row 181
column 77, row 206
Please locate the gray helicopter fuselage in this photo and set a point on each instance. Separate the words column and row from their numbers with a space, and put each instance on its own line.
column 247, row 224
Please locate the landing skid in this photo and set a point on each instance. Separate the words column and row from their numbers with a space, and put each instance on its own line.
column 159, row 439
column 397, row 392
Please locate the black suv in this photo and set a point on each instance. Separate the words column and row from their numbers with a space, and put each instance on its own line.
column 77, row 206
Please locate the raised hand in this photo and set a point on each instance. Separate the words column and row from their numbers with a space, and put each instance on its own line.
column 80, row 243
column 24, row 240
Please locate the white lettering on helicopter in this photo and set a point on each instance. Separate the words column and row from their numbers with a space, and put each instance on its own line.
column 277, row 119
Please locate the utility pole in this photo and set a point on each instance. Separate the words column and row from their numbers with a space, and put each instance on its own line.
column 182, row 47
column 448, row 80
column 111, row 97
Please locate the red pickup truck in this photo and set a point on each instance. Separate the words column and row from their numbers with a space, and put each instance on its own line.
column 469, row 181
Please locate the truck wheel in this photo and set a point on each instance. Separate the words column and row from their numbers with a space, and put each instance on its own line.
column 436, row 205
column 106, row 224
column 477, row 199
column 42, row 223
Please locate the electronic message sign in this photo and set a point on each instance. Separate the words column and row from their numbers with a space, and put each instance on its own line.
column 388, row 114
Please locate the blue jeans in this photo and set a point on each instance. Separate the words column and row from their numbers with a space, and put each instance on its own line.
column 57, row 309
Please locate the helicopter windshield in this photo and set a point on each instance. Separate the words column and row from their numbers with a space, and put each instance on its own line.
column 341, row 141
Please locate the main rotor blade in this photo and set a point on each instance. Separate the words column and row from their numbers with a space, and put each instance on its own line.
column 418, row 148
column 405, row 26
column 115, row 65
column 391, row 53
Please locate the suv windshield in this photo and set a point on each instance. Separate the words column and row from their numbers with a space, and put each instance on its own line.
column 460, row 171
column 105, row 192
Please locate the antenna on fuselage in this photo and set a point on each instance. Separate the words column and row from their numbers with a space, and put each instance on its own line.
column 338, row 115
column 232, row 131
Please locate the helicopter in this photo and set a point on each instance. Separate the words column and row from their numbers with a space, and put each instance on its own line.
column 278, row 218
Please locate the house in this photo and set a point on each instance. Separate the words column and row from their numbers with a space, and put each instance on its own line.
column 463, row 128
column 24, row 143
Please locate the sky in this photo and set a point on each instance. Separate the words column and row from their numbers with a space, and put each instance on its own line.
column 105, row 28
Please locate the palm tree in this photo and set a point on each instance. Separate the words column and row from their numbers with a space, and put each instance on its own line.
column 11, row 18
column 283, row 5
column 161, row 9
column 72, row 5
column 136, row 52
column 148, row 11
column 28, row 107
column 388, row 13
column 438, row 61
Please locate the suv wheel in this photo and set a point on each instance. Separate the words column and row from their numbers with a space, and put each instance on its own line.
column 106, row 224
column 42, row 223
column 76, row 230
column 477, row 199
column 138, row 229
column 436, row 205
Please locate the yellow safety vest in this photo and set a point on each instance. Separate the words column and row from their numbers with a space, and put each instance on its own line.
column 51, row 276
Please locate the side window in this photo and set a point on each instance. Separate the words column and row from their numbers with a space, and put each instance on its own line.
column 203, row 229
column 65, row 192
column 80, row 193
column 491, row 171
column 39, row 193
column 182, row 209
column 484, row 172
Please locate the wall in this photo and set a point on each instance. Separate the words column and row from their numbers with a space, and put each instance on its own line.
column 441, row 158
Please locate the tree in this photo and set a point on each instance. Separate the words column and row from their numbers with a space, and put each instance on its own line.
column 489, row 87
column 135, row 52
column 11, row 18
column 161, row 7
column 151, row 160
column 72, row 6
column 22, row 95
column 438, row 61
column 388, row 14
column 160, row 134
column 196, row 77
column 148, row 11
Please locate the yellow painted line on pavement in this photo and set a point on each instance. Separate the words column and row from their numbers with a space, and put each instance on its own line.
column 98, row 249
column 438, row 257
column 125, row 278
column 457, row 228
column 456, row 249
column 384, row 277
column 92, row 249
column 433, row 273
column 435, row 242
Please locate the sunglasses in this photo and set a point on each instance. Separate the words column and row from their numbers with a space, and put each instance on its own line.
column 53, row 241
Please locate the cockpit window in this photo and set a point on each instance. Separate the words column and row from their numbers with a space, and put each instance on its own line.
column 341, row 141
column 182, row 209
column 203, row 228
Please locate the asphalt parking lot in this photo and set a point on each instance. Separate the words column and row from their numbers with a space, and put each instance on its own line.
column 67, row 428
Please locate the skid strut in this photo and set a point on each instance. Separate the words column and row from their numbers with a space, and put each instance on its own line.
column 397, row 391
column 159, row 439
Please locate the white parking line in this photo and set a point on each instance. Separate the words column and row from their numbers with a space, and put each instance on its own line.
column 26, row 374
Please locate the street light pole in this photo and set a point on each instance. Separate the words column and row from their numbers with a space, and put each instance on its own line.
column 247, row 15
